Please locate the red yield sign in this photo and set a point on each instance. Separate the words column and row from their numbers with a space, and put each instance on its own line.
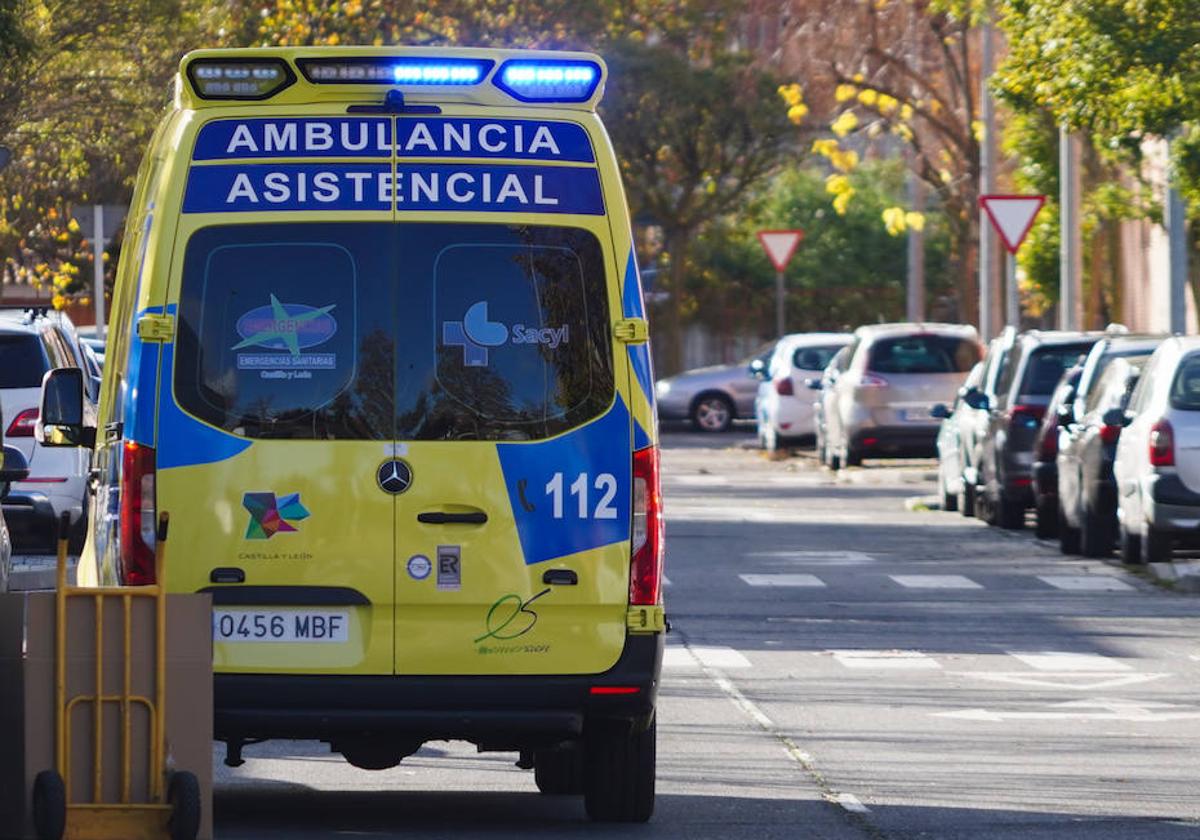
column 1012, row 216
column 780, row 245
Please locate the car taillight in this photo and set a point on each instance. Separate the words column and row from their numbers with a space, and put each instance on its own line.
column 1049, row 448
column 1110, row 434
column 137, row 515
column 871, row 380
column 22, row 425
column 646, row 565
column 784, row 387
column 1162, row 444
column 1028, row 416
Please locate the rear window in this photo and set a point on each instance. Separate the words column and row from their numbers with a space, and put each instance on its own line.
column 22, row 361
column 926, row 353
column 814, row 358
column 1185, row 389
column 1047, row 364
column 412, row 331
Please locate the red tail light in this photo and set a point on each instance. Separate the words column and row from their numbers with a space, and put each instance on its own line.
column 611, row 690
column 871, row 380
column 137, row 515
column 1049, row 447
column 1110, row 434
column 1029, row 416
column 22, row 425
column 784, row 387
column 645, row 577
column 1162, row 445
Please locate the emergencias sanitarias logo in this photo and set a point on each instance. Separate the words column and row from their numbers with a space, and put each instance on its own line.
column 270, row 515
column 475, row 334
column 281, row 332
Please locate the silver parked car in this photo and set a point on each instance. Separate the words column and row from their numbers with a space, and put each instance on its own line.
column 878, row 397
column 713, row 397
column 949, row 441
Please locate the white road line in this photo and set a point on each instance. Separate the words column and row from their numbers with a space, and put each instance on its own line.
column 720, row 657
column 666, row 580
column 912, row 660
column 677, row 658
column 852, row 803
column 1054, row 660
column 935, row 581
column 783, row 580
column 815, row 558
column 1086, row 583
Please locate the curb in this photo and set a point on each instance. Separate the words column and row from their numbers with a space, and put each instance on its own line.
column 1181, row 575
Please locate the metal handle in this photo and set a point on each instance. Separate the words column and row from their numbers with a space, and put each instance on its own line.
column 438, row 517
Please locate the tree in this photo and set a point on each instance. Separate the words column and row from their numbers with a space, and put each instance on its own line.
column 693, row 140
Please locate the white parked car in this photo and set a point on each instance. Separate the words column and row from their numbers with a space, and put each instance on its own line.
column 33, row 341
column 1158, row 457
column 784, row 403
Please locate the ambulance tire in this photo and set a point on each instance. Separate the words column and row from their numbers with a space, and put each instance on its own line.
column 620, row 771
column 184, row 796
column 49, row 805
column 559, row 772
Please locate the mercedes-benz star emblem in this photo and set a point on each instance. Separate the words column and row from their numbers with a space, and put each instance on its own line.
column 394, row 476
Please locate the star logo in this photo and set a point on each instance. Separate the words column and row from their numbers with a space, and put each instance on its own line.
column 270, row 516
column 285, row 327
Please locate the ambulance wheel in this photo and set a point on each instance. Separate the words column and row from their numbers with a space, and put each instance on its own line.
column 49, row 805
column 183, row 794
column 559, row 772
column 619, row 774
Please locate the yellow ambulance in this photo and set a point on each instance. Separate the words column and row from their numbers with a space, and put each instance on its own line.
column 378, row 346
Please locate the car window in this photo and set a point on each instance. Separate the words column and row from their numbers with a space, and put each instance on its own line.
column 22, row 361
column 421, row 331
column 841, row 361
column 1185, row 387
column 926, row 353
column 1113, row 378
column 1046, row 366
column 814, row 358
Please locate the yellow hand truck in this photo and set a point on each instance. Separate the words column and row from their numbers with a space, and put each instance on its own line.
column 172, row 807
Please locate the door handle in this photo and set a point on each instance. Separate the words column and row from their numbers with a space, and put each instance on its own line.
column 439, row 517
column 560, row 577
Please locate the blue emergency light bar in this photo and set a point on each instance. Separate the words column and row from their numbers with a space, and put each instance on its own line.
column 548, row 80
column 395, row 71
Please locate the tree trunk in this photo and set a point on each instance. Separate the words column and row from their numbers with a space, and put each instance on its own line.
column 670, row 344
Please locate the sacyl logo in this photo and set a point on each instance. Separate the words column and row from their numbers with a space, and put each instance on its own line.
column 475, row 334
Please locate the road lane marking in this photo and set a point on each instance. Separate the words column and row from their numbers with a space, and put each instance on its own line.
column 676, row 658
column 935, row 581
column 815, row 558
column 720, row 657
column 912, row 660
column 783, row 580
column 1094, row 709
column 1087, row 583
column 852, row 803
column 1054, row 660
column 666, row 580
column 1071, row 681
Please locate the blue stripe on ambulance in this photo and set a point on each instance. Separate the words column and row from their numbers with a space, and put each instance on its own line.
column 550, row 527
column 184, row 440
column 639, row 354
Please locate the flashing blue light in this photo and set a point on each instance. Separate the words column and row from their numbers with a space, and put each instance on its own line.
column 395, row 71
column 437, row 74
column 549, row 81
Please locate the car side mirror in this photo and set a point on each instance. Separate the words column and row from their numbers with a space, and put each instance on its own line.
column 13, row 467
column 940, row 412
column 813, row 384
column 66, row 418
column 1117, row 417
column 977, row 400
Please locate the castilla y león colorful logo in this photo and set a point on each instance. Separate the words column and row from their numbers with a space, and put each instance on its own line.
column 269, row 516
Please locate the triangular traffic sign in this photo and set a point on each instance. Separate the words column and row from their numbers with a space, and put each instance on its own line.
column 780, row 245
column 1012, row 216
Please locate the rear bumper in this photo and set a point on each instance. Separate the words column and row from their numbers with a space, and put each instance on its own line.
column 1172, row 506
column 499, row 711
column 31, row 521
column 896, row 441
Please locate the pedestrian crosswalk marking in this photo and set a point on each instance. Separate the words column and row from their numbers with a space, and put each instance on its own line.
column 722, row 658
column 814, row 558
column 1054, row 660
column 1087, row 583
column 891, row 659
column 783, row 580
column 677, row 657
column 935, row 581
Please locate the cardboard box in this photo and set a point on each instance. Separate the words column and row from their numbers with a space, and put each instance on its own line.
column 27, row 719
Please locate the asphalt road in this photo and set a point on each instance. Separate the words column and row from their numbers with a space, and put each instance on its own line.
column 840, row 666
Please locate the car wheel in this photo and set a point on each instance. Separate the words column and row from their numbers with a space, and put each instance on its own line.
column 854, row 457
column 835, row 461
column 1068, row 537
column 1156, row 546
column 1094, row 539
column 559, row 772
column 966, row 500
column 1047, row 518
column 949, row 500
column 1131, row 547
column 1010, row 513
column 619, row 774
column 712, row 413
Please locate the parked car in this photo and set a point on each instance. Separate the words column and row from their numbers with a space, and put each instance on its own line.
column 12, row 468
column 1004, row 470
column 713, row 397
column 950, row 468
column 973, row 422
column 783, row 406
column 1045, row 454
column 821, row 387
column 878, row 400
column 1087, row 444
column 1157, row 465
column 32, row 342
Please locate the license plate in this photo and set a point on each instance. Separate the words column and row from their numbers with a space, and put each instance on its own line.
column 281, row 626
column 916, row 414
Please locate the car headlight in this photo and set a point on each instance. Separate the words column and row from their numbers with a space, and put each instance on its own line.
column 662, row 387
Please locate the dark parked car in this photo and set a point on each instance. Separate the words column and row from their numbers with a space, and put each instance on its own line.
column 1005, row 468
column 1087, row 444
column 1045, row 454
